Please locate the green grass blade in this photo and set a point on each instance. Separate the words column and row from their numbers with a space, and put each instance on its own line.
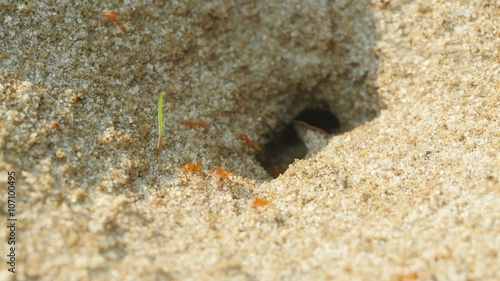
column 160, row 122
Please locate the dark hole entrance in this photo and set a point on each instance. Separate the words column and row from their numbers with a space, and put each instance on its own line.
column 286, row 145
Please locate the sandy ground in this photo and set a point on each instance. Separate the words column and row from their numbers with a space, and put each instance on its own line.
column 410, row 190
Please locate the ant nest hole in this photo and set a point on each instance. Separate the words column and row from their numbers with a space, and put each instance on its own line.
column 298, row 138
column 302, row 124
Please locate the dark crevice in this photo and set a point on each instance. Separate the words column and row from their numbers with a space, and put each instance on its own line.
column 321, row 119
column 286, row 144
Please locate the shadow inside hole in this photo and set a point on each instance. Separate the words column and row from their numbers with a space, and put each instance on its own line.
column 288, row 144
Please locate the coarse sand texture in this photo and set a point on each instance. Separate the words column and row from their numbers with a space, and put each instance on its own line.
column 399, row 178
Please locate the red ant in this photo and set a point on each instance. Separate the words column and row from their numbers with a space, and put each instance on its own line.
column 246, row 139
column 223, row 174
column 113, row 16
column 260, row 202
column 192, row 123
column 192, row 167
column 55, row 125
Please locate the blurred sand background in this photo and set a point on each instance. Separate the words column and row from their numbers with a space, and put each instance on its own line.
column 409, row 191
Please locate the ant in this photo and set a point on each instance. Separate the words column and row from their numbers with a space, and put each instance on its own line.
column 113, row 16
column 55, row 125
column 192, row 167
column 223, row 174
column 277, row 170
column 193, row 124
column 257, row 202
column 246, row 139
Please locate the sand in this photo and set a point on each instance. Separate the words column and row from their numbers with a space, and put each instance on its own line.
column 408, row 191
